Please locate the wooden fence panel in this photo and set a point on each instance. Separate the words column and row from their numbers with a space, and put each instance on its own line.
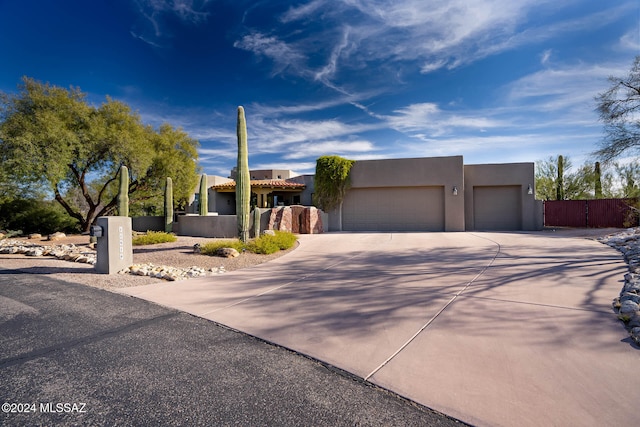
column 610, row 213
column 565, row 213
column 599, row 213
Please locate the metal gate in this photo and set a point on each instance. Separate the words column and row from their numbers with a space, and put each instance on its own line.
column 601, row 213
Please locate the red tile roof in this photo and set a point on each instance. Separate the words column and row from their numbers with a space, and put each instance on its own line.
column 265, row 183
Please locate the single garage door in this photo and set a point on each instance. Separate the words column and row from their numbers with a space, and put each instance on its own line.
column 497, row 208
column 394, row 209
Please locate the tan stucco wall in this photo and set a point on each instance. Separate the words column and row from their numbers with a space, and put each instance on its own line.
column 507, row 174
column 418, row 172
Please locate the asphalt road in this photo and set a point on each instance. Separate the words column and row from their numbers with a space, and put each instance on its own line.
column 76, row 355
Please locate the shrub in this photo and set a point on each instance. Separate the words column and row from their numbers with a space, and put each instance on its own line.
column 211, row 247
column 267, row 244
column 36, row 216
column 285, row 239
column 153, row 237
column 264, row 244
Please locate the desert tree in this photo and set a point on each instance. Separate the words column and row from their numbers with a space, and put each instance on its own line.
column 52, row 135
column 619, row 110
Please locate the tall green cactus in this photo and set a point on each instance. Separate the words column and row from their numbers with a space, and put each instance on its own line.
column 598, row 181
column 256, row 222
column 168, row 206
column 560, row 180
column 204, row 196
column 123, row 195
column 243, row 184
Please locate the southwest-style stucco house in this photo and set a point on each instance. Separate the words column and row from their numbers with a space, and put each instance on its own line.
column 418, row 194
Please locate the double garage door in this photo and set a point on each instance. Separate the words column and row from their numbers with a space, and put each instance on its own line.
column 422, row 208
column 394, row 209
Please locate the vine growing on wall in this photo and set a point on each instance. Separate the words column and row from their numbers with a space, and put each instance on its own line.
column 331, row 181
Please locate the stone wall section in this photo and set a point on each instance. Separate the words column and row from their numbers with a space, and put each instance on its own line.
column 296, row 219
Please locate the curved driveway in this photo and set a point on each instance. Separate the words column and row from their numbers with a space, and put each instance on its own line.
column 490, row 328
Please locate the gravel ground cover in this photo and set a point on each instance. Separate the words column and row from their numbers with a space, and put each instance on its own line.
column 174, row 254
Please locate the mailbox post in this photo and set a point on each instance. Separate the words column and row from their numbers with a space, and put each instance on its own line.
column 114, row 249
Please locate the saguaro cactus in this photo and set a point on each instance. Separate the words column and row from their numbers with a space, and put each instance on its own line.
column 168, row 206
column 243, row 184
column 123, row 195
column 560, row 180
column 204, row 196
column 598, row 181
column 256, row 222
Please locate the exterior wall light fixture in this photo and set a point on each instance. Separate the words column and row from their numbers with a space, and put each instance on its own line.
column 455, row 190
column 529, row 189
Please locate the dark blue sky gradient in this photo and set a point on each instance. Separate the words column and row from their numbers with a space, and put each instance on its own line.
column 492, row 80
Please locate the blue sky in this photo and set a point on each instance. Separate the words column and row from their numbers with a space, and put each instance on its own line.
column 493, row 80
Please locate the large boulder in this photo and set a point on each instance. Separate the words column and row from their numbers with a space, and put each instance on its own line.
column 227, row 253
column 57, row 236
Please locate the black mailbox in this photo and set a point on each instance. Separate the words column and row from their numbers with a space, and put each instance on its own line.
column 95, row 231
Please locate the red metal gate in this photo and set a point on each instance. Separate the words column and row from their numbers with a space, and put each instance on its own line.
column 590, row 213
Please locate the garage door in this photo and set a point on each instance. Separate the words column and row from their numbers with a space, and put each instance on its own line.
column 394, row 209
column 497, row 208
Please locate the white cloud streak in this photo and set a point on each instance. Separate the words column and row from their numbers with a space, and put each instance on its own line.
column 152, row 31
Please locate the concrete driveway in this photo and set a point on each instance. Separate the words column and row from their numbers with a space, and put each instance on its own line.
column 490, row 328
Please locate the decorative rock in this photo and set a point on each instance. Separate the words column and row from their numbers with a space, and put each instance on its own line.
column 634, row 322
column 33, row 236
column 56, row 236
column 629, row 307
column 63, row 252
column 227, row 253
column 630, row 296
column 34, row 252
column 165, row 272
column 73, row 253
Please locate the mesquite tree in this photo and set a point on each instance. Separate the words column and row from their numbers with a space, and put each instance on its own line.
column 243, row 184
column 619, row 109
column 53, row 137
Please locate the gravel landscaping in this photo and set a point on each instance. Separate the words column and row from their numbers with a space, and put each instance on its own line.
column 179, row 254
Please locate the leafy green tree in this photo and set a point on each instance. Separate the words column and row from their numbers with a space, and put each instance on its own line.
column 575, row 185
column 550, row 179
column 629, row 179
column 53, row 135
column 619, row 109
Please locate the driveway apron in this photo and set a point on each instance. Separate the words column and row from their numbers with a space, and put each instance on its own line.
column 491, row 328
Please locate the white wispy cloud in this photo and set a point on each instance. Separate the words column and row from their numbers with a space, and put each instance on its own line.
column 152, row 30
column 425, row 34
column 335, row 147
column 429, row 119
column 286, row 135
column 283, row 55
column 631, row 39
column 564, row 88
